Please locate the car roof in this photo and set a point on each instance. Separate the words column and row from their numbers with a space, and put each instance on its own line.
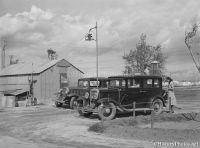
column 93, row 78
column 134, row 76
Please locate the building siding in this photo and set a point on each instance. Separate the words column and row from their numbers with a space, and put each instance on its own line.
column 47, row 82
column 12, row 83
column 73, row 76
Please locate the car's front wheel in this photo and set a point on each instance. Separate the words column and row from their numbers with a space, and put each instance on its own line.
column 73, row 103
column 157, row 106
column 107, row 111
column 58, row 104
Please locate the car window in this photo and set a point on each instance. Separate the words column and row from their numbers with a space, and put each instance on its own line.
column 114, row 83
column 156, row 83
column 117, row 83
column 147, row 83
column 123, row 83
column 104, row 84
column 132, row 83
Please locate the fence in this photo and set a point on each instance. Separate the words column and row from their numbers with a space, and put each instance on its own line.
column 151, row 109
column 144, row 109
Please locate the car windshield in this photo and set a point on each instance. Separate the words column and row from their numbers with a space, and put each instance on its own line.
column 94, row 83
column 83, row 83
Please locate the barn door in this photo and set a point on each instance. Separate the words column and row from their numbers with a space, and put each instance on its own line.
column 63, row 80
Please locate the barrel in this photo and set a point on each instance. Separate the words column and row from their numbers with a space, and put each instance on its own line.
column 8, row 101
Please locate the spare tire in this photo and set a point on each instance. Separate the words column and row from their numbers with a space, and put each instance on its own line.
column 157, row 106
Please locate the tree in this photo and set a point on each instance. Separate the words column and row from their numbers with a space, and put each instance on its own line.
column 188, row 42
column 52, row 55
column 141, row 57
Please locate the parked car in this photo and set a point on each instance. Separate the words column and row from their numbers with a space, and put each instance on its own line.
column 122, row 91
column 83, row 89
column 63, row 98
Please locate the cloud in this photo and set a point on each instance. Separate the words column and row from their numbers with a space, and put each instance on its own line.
column 37, row 30
column 62, row 26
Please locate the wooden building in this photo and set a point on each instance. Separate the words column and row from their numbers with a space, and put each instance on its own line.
column 48, row 78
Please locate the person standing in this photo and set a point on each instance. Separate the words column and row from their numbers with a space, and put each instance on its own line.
column 171, row 94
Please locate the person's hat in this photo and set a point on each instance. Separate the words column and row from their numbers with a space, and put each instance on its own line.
column 168, row 78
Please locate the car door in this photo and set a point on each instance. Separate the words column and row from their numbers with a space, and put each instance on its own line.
column 146, row 91
column 150, row 89
column 131, row 93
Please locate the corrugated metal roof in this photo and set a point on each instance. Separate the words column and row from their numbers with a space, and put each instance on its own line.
column 15, row 93
column 29, row 68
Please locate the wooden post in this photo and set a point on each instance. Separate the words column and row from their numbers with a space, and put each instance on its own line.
column 134, row 109
column 102, row 122
column 152, row 118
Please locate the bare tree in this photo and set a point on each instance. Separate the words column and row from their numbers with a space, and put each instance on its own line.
column 188, row 42
column 141, row 57
column 13, row 60
column 52, row 55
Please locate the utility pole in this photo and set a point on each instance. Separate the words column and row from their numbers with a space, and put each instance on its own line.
column 88, row 37
column 3, row 54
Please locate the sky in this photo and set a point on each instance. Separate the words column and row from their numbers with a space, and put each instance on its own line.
column 30, row 27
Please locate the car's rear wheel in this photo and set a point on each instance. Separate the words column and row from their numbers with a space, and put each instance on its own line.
column 107, row 111
column 157, row 106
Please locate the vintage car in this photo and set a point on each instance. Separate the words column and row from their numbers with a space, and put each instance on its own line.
column 122, row 91
column 83, row 89
column 63, row 98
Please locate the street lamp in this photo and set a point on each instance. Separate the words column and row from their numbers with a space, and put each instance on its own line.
column 88, row 37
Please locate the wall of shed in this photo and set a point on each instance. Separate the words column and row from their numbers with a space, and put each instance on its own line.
column 47, row 86
column 48, row 82
column 14, row 82
column 73, row 76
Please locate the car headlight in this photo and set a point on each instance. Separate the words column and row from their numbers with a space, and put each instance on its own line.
column 87, row 95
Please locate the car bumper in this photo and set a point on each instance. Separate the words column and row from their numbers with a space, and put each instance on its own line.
column 88, row 109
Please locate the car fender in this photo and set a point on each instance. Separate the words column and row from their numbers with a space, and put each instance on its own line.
column 158, row 97
column 80, row 98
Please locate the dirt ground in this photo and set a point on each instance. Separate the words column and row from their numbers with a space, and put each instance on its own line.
column 181, row 128
column 50, row 127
